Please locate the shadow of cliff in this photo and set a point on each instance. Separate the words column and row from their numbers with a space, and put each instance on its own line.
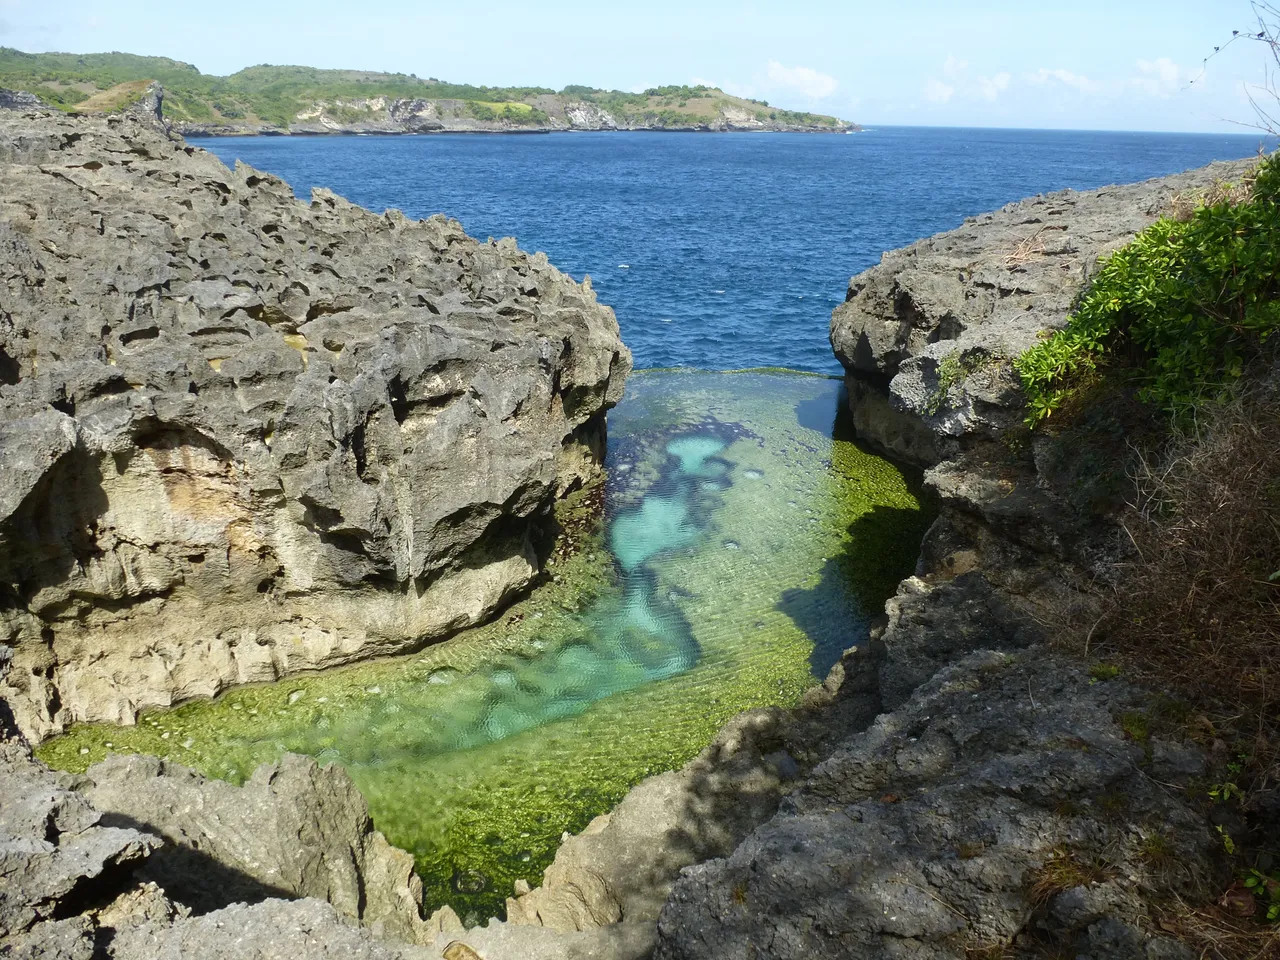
column 193, row 878
column 882, row 549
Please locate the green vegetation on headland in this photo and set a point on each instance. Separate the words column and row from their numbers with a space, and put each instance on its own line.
column 1183, row 311
column 303, row 99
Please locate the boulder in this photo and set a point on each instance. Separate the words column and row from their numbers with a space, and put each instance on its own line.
column 246, row 435
column 294, row 830
column 1004, row 803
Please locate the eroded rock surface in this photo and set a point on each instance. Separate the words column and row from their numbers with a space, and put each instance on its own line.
column 1003, row 802
column 294, row 830
column 923, row 334
column 245, row 435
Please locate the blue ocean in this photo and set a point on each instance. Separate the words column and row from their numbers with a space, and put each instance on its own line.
column 721, row 251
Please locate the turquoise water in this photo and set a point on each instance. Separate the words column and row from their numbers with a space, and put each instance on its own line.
column 744, row 543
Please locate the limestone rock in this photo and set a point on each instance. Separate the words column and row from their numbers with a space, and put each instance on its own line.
column 19, row 100
column 294, row 830
column 246, row 436
column 271, row 930
column 54, row 849
column 931, row 328
column 1003, row 802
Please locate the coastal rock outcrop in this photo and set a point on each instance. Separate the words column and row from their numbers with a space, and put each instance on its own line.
column 1010, row 799
column 925, row 336
column 1004, row 800
column 245, row 435
column 80, row 859
column 19, row 100
column 294, row 830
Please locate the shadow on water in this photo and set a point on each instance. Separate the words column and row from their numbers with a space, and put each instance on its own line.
column 881, row 549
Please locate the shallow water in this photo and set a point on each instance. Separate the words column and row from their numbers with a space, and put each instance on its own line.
column 745, row 541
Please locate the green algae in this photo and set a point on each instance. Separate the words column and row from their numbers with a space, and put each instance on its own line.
column 751, row 548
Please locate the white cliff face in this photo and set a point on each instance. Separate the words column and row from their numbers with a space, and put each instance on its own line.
column 283, row 437
column 587, row 116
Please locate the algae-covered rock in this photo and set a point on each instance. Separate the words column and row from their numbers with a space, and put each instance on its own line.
column 246, row 436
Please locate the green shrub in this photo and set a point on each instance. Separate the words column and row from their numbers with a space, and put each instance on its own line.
column 1184, row 309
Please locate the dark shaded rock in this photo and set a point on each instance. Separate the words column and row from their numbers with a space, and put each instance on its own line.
column 56, row 854
column 19, row 100
column 246, row 436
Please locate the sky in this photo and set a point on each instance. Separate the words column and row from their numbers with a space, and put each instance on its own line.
column 1084, row 64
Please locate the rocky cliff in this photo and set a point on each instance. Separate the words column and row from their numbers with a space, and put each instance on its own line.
column 245, row 435
column 1009, row 801
column 926, row 335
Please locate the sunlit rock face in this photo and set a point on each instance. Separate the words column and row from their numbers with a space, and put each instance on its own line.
column 245, row 436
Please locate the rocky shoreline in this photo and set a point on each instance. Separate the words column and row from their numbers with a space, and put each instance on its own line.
column 957, row 788
column 247, row 436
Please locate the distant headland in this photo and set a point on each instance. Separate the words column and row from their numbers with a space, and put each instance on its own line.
column 278, row 100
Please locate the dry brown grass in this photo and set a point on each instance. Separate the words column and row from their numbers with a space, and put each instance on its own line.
column 1065, row 870
column 115, row 98
column 1214, row 934
column 1195, row 613
column 1184, row 205
column 1198, row 609
column 1028, row 249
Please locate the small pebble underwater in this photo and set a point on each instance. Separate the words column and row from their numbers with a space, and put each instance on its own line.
column 746, row 542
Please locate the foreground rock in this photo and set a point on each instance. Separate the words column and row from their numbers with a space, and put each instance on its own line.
column 245, row 436
column 925, row 336
column 1002, row 803
column 79, row 878
column 293, row 830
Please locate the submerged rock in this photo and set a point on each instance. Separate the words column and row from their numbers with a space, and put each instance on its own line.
column 246, row 436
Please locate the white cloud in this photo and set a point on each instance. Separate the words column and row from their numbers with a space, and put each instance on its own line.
column 991, row 87
column 953, row 66
column 1159, row 78
column 804, row 80
column 1075, row 81
column 935, row 91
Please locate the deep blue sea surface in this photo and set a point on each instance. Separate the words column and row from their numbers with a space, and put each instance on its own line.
column 721, row 251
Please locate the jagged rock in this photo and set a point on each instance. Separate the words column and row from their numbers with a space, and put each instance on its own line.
column 295, row 829
column 928, row 332
column 19, row 100
column 54, row 850
column 246, row 436
column 150, row 108
column 271, row 930
column 1002, row 803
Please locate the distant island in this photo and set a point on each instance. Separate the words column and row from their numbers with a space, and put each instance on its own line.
column 276, row 100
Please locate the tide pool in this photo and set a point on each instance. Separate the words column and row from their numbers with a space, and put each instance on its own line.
column 745, row 543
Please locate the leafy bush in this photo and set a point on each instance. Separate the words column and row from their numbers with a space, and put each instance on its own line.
column 1185, row 308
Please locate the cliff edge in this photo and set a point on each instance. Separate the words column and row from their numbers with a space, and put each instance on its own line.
column 246, row 435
